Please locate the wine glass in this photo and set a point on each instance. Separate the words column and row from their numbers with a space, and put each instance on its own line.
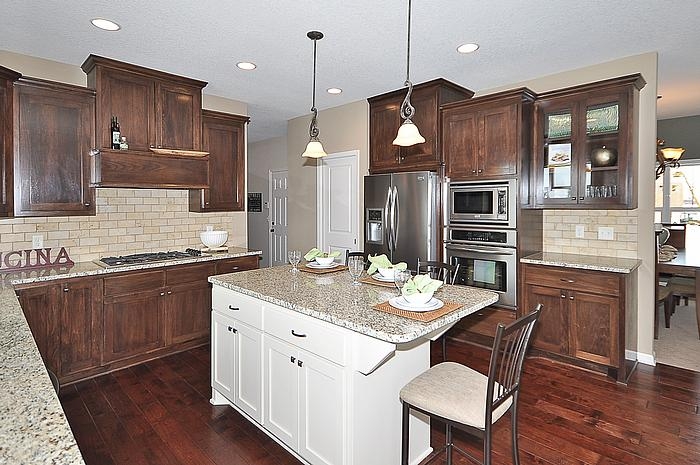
column 401, row 277
column 294, row 258
column 356, row 265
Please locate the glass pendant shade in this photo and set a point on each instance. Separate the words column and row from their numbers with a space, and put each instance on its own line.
column 314, row 149
column 408, row 135
column 671, row 154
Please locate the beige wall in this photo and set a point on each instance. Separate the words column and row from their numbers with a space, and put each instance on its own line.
column 127, row 220
column 263, row 156
column 646, row 64
column 342, row 128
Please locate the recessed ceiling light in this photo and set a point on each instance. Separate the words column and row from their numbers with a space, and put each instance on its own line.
column 334, row 90
column 105, row 24
column 246, row 65
column 468, row 48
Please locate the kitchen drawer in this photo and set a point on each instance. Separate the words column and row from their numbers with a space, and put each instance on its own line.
column 134, row 282
column 232, row 265
column 599, row 282
column 238, row 306
column 188, row 273
column 315, row 336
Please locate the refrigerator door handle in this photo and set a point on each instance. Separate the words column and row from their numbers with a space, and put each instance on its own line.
column 395, row 216
column 387, row 223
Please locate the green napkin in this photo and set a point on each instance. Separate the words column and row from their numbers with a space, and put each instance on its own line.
column 421, row 283
column 381, row 261
column 313, row 253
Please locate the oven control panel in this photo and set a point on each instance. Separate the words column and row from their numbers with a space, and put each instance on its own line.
column 493, row 237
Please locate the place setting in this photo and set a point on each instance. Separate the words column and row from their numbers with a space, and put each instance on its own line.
column 318, row 262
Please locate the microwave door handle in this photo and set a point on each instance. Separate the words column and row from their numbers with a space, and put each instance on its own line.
column 395, row 216
column 387, row 223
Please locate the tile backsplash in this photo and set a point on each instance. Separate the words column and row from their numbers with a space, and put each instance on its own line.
column 559, row 232
column 128, row 221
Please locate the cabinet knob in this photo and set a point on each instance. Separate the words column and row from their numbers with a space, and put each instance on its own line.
column 581, row 198
column 65, row 289
column 230, row 328
column 292, row 359
column 162, row 294
column 481, row 171
column 87, row 204
column 169, row 292
column 473, row 171
column 298, row 334
column 231, row 307
column 299, row 363
column 573, row 198
column 563, row 296
column 571, row 297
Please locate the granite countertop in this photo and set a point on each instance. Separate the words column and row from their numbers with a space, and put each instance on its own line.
column 332, row 298
column 34, row 428
column 584, row 262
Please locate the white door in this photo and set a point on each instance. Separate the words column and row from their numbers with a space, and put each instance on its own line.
column 281, row 405
column 278, row 217
column 338, row 198
column 248, row 366
column 223, row 347
column 322, row 411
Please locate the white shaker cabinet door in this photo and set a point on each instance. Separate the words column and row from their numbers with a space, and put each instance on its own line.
column 323, row 411
column 248, row 371
column 281, row 381
column 223, row 348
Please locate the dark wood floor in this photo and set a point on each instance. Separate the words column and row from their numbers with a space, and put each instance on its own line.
column 158, row 413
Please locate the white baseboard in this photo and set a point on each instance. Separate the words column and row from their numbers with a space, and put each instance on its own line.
column 647, row 359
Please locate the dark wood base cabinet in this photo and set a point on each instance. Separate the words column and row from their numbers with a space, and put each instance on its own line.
column 85, row 327
column 583, row 315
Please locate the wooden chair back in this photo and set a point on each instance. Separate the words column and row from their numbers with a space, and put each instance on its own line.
column 438, row 270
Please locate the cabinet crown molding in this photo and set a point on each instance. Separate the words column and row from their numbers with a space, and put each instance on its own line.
column 631, row 79
column 95, row 60
column 442, row 82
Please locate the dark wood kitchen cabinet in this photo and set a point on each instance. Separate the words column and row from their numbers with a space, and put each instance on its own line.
column 385, row 119
column 66, row 321
column 585, row 146
column 188, row 305
column 224, row 138
column 234, row 265
column 583, row 315
column 488, row 137
column 7, row 79
column 154, row 108
column 54, row 130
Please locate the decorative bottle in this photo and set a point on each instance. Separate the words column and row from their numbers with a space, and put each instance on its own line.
column 115, row 133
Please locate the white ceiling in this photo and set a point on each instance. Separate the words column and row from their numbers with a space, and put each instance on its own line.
column 363, row 51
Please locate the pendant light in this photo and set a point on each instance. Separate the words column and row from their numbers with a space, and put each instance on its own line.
column 314, row 149
column 408, row 132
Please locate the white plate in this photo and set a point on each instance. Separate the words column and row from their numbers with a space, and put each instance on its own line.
column 322, row 267
column 378, row 277
column 400, row 302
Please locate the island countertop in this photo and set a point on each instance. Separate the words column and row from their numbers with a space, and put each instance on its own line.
column 332, row 298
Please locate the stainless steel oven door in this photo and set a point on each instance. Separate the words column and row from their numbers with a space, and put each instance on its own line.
column 487, row 267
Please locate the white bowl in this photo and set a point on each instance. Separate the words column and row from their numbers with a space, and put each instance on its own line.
column 324, row 260
column 419, row 298
column 387, row 273
column 213, row 239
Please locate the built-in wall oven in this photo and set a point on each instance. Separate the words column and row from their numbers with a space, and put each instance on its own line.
column 482, row 202
column 486, row 258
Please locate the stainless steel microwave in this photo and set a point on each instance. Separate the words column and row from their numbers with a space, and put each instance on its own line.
column 483, row 202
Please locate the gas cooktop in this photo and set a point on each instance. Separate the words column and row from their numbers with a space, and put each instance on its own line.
column 151, row 257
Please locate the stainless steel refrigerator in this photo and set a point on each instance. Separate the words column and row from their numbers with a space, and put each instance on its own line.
column 401, row 216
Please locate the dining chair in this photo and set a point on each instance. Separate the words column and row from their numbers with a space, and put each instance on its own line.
column 664, row 296
column 444, row 272
column 349, row 254
column 469, row 400
column 682, row 287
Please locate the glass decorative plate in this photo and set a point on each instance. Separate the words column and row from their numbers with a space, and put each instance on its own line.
column 603, row 119
column 559, row 125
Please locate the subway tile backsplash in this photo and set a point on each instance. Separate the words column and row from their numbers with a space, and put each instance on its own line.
column 559, row 232
column 127, row 221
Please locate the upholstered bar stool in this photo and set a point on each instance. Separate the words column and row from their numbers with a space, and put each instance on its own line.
column 469, row 400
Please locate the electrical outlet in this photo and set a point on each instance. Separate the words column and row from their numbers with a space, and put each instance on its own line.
column 38, row 241
column 606, row 233
column 579, row 231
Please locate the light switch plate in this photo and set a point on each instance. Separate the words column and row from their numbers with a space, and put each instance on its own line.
column 37, row 241
column 579, row 231
column 606, row 233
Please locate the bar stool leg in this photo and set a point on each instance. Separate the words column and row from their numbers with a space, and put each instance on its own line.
column 404, row 434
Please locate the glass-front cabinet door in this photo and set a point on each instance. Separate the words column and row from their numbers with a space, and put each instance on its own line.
column 585, row 146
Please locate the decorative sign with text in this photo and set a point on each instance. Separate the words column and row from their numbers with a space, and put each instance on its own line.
column 31, row 259
column 254, row 201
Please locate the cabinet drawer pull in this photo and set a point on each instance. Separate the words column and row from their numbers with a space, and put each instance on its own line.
column 230, row 328
column 571, row 297
column 581, row 198
column 299, row 363
column 566, row 280
column 234, row 268
column 573, row 198
column 292, row 359
column 231, row 307
column 298, row 334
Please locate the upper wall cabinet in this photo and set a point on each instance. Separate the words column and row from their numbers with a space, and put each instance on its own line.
column 224, row 138
column 54, row 130
column 385, row 119
column 154, row 109
column 7, row 78
column 488, row 137
column 585, row 149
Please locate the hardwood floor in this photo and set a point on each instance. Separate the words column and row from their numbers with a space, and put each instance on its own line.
column 159, row 413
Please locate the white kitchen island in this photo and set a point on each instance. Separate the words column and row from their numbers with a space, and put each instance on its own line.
column 308, row 360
